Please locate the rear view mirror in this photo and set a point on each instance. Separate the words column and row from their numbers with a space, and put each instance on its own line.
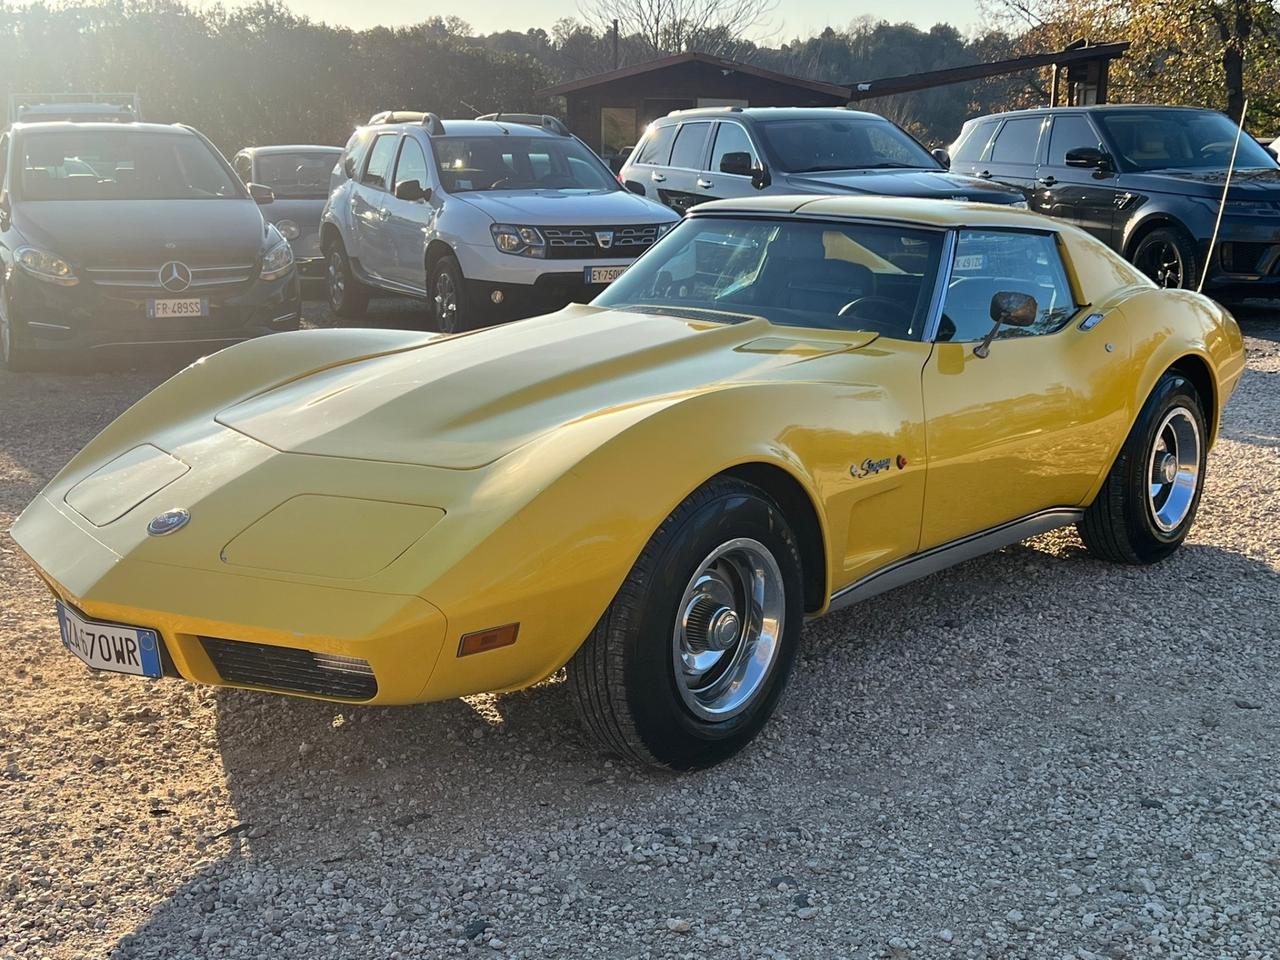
column 412, row 191
column 738, row 164
column 942, row 157
column 1088, row 157
column 262, row 194
column 1009, row 308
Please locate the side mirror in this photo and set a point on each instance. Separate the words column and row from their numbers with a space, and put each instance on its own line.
column 760, row 177
column 1088, row 157
column 635, row 187
column 942, row 157
column 1008, row 309
column 1271, row 149
column 412, row 190
column 349, row 166
column 262, row 194
column 738, row 164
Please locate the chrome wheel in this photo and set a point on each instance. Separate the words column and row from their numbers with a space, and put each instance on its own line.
column 728, row 630
column 337, row 277
column 446, row 301
column 1173, row 469
column 1161, row 260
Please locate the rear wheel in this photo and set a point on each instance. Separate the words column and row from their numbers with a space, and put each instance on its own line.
column 448, row 294
column 686, row 665
column 1148, row 502
column 348, row 297
column 1168, row 257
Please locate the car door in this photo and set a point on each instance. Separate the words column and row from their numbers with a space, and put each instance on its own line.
column 1013, row 154
column 1029, row 427
column 733, row 156
column 678, row 181
column 1085, row 196
column 408, row 221
column 369, row 212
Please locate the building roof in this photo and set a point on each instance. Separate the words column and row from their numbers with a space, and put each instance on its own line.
column 663, row 63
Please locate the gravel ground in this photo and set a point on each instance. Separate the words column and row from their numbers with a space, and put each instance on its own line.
column 1032, row 755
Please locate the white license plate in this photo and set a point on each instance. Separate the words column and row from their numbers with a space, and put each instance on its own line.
column 971, row 261
column 106, row 646
column 171, row 309
column 603, row 274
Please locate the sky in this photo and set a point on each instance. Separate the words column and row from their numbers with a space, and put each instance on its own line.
column 793, row 17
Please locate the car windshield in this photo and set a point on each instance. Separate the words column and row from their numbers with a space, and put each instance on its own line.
column 519, row 163
column 296, row 175
column 121, row 165
column 1178, row 139
column 818, row 144
column 833, row 276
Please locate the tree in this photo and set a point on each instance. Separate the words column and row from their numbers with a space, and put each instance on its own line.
column 672, row 26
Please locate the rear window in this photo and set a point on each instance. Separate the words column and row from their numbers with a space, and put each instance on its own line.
column 1017, row 140
column 657, row 145
column 296, row 175
column 973, row 142
column 122, row 165
column 690, row 146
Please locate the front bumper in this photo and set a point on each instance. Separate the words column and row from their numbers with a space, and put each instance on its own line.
column 1246, row 261
column 86, row 316
column 548, row 293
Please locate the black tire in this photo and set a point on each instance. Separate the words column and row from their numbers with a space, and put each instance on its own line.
column 15, row 355
column 348, row 297
column 1168, row 256
column 1124, row 523
column 451, row 308
column 624, row 678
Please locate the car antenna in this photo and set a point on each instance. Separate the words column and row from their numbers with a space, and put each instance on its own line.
column 1226, row 185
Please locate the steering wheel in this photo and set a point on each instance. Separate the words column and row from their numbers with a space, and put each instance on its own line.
column 899, row 312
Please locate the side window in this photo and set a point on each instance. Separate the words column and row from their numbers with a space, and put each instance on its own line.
column 690, row 145
column 353, row 152
column 657, row 145
column 731, row 138
column 1016, row 141
column 378, row 171
column 988, row 262
column 243, row 167
column 412, row 164
column 1070, row 131
column 974, row 143
column 4, row 159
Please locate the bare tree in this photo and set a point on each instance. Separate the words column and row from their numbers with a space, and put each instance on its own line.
column 673, row 26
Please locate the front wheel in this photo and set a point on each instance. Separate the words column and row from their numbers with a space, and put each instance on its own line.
column 1148, row 502
column 686, row 665
column 448, row 294
column 15, row 356
column 1168, row 257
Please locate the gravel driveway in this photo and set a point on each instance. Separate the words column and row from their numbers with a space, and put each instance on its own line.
column 1032, row 755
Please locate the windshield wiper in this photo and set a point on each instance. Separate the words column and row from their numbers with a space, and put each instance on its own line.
column 886, row 165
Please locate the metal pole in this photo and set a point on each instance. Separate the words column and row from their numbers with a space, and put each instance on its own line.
column 615, row 43
column 1226, row 185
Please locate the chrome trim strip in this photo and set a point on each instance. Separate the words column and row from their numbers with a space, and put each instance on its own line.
column 47, row 326
column 942, row 284
column 170, row 343
column 949, row 554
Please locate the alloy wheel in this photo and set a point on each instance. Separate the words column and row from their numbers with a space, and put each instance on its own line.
column 1173, row 469
column 337, row 278
column 1162, row 262
column 446, row 301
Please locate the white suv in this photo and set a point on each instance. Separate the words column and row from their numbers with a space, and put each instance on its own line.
column 488, row 219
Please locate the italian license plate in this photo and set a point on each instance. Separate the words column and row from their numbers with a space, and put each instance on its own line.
column 173, row 309
column 107, row 646
column 597, row 275
column 971, row 261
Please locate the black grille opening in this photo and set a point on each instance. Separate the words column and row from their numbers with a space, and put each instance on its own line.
column 288, row 668
column 588, row 243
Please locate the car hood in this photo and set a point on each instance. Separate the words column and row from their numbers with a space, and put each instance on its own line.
column 463, row 402
column 558, row 208
column 929, row 184
column 1261, row 184
column 133, row 232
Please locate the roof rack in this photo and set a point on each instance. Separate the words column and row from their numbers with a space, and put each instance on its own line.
column 434, row 125
column 729, row 109
column 103, row 107
column 544, row 120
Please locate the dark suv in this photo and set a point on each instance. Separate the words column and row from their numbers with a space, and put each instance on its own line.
column 130, row 234
column 1147, row 181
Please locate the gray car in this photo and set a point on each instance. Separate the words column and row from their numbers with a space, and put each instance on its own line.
column 299, row 178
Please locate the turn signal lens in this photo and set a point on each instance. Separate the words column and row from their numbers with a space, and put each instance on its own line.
column 490, row 639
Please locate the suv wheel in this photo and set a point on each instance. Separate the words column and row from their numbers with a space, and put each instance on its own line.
column 15, row 356
column 1168, row 257
column 448, row 293
column 348, row 297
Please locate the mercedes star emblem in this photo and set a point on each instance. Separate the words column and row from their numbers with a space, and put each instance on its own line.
column 175, row 276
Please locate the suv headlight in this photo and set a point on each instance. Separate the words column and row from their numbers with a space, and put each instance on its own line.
column 1020, row 205
column 46, row 266
column 278, row 259
column 519, row 241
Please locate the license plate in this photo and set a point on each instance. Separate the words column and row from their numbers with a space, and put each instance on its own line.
column 971, row 261
column 172, row 309
column 107, row 646
column 603, row 274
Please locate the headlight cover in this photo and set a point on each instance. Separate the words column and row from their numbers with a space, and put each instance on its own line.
column 278, row 259
column 289, row 229
column 519, row 241
column 1019, row 205
column 46, row 266
column 665, row 228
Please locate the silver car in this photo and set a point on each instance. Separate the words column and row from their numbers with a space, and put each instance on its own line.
column 299, row 178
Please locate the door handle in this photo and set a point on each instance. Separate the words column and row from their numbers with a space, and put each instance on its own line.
column 657, row 177
column 985, row 174
column 704, row 183
column 1048, row 181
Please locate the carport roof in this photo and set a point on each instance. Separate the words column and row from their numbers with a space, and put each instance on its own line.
column 649, row 66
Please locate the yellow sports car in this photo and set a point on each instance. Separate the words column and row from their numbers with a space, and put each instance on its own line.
column 787, row 405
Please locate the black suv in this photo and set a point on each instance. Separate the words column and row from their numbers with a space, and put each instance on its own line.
column 130, row 234
column 1146, row 180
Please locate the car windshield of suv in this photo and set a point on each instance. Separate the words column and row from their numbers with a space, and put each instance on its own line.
column 1179, row 139
column 296, row 175
column 833, row 276
column 519, row 163
column 819, row 144
column 121, row 165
